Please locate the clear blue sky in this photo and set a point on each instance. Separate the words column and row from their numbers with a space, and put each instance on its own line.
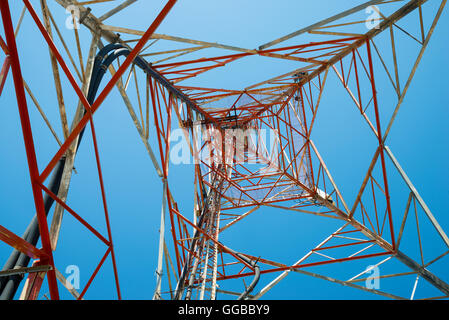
column 419, row 139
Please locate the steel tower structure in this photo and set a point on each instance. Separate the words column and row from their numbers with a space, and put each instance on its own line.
column 237, row 169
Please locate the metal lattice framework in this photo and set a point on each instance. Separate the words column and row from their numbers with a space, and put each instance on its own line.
column 193, row 260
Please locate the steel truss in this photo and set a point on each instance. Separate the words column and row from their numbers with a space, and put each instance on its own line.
column 229, row 187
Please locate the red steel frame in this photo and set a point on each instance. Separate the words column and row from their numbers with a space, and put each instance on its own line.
column 45, row 255
column 275, row 115
column 296, row 154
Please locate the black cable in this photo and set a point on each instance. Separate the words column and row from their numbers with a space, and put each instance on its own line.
column 253, row 284
column 10, row 284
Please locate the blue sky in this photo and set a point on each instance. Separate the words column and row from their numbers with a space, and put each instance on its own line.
column 419, row 140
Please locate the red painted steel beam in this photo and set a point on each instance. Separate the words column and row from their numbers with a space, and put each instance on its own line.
column 29, row 147
column 94, row 274
column 381, row 144
column 75, row 215
column 300, row 266
column 232, row 57
column 18, row 243
column 34, row 283
column 105, row 207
